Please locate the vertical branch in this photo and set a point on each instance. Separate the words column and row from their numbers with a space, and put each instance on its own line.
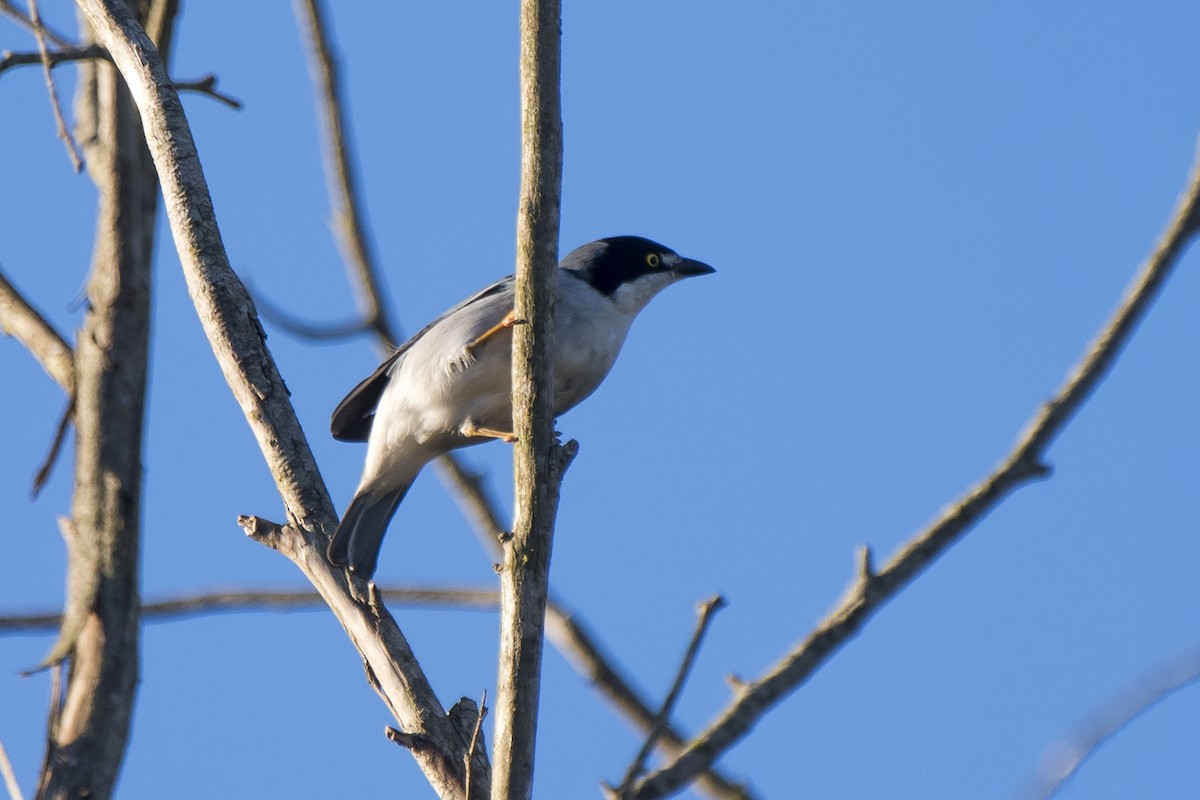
column 538, row 460
column 100, row 628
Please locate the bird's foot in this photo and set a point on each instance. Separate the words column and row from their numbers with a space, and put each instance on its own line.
column 470, row 430
column 510, row 319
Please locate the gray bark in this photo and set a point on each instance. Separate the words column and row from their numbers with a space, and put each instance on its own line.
column 539, row 461
column 100, row 629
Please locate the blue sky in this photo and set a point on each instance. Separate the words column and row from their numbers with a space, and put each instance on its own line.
column 919, row 214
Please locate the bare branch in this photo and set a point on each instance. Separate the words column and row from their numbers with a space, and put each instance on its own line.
column 60, row 434
column 565, row 632
column 207, row 86
column 21, row 18
column 314, row 331
column 258, row 600
column 1067, row 756
column 580, row 648
column 638, row 766
column 538, row 460
column 340, row 175
column 52, row 58
column 39, row 33
column 229, row 321
column 871, row 591
column 475, row 739
column 100, row 628
column 10, row 777
column 21, row 320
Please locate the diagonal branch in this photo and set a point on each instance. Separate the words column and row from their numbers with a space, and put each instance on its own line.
column 39, row 33
column 9, row 775
column 638, row 766
column 569, row 635
column 238, row 342
column 22, row 321
column 340, row 175
column 872, row 590
column 1070, row 754
column 25, row 21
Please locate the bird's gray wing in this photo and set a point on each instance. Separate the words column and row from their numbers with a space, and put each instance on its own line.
column 351, row 420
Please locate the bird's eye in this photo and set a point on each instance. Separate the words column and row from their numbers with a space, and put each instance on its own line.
column 653, row 260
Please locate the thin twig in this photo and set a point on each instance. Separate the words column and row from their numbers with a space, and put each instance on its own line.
column 10, row 777
column 52, row 58
column 638, row 766
column 871, row 591
column 313, row 331
column 20, row 17
column 207, row 86
column 60, row 434
column 39, row 33
column 255, row 600
column 470, row 756
column 1070, row 754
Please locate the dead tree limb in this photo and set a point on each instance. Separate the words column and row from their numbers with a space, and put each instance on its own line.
column 539, row 461
column 100, row 628
column 872, row 590
column 231, row 324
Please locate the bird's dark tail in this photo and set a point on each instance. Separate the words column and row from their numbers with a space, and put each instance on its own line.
column 358, row 538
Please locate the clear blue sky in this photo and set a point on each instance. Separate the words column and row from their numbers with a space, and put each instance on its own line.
column 920, row 214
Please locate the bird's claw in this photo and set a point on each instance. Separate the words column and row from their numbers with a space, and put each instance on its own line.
column 471, row 430
column 509, row 321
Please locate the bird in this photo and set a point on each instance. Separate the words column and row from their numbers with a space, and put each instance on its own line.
column 450, row 385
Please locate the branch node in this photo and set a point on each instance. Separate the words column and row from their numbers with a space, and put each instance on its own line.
column 865, row 565
column 413, row 742
column 262, row 530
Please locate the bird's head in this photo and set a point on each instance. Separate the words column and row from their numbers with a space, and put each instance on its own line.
column 629, row 269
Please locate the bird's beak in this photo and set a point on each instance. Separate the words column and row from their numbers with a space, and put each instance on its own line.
column 687, row 267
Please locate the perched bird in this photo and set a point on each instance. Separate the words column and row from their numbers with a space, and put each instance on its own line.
column 450, row 386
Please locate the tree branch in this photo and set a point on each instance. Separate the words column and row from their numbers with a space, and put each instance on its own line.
column 206, row 85
column 228, row 318
column 638, row 766
column 257, row 600
column 22, row 321
column 564, row 631
column 10, row 777
column 1067, row 756
column 538, row 460
column 100, row 627
column 23, row 19
column 340, row 175
column 52, row 58
column 60, row 122
column 871, row 591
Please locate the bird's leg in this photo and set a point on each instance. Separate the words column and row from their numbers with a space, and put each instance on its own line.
column 510, row 319
column 469, row 429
